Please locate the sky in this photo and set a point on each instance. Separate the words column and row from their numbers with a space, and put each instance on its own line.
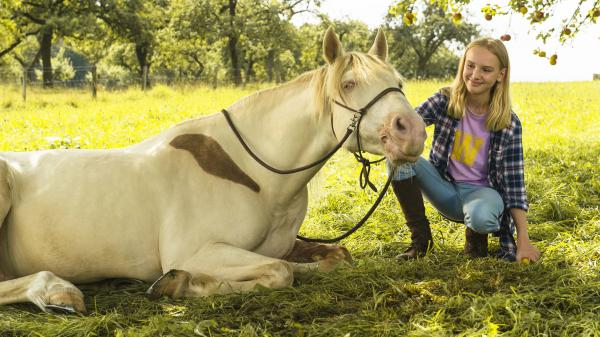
column 578, row 59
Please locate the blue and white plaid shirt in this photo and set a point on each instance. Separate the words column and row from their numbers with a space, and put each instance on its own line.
column 505, row 163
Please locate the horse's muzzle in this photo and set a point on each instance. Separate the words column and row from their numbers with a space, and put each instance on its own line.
column 404, row 138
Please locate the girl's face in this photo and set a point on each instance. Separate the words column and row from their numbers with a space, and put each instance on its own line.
column 482, row 71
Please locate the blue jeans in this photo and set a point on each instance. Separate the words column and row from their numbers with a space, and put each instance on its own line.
column 479, row 207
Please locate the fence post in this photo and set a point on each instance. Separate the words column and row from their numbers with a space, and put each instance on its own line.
column 94, row 81
column 144, row 78
column 24, row 84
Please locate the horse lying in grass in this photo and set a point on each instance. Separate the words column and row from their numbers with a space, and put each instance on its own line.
column 190, row 209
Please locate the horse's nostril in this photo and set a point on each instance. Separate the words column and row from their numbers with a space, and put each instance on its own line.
column 399, row 125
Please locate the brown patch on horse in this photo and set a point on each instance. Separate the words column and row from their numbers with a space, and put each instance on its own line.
column 213, row 159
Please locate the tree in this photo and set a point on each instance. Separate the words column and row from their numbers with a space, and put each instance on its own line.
column 256, row 21
column 254, row 33
column 418, row 43
column 136, row 22
column 354, row 34
column 44, row 19
column 192, row 43
column 584, row 14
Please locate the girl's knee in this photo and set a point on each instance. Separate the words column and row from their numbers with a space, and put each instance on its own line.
column 482, row 222
column 400, row 172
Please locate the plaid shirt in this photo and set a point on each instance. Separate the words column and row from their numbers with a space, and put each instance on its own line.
column 505, row 163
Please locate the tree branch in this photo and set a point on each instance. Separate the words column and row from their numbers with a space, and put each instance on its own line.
column 10, row 48
column 32, row 18
column 16, row 43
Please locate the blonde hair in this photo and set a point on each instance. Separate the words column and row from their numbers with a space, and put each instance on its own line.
column 500, row 106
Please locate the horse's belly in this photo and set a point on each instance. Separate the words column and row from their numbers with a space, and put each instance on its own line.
column 83, row 219
column 87, row 253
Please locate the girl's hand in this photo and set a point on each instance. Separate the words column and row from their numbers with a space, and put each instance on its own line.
column 526, row 252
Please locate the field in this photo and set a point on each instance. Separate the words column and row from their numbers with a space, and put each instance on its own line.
column 444, row 294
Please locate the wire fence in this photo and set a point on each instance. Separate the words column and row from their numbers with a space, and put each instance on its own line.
column 93, row 79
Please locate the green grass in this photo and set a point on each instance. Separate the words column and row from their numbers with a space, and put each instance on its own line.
column 444, row 294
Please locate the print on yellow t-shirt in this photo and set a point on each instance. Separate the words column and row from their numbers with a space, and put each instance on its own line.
column 465, row 147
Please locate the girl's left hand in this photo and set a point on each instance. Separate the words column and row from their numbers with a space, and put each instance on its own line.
column 527, row 252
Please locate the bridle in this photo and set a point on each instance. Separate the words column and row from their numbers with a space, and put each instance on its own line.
column 366, row 164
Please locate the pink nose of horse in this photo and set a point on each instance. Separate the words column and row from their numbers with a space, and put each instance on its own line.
column 410, row 131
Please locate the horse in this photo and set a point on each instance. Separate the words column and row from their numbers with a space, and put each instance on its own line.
column 189, row 210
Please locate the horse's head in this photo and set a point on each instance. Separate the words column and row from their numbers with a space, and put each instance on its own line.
column 390, row 126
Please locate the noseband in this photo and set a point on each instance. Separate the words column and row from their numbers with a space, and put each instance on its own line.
column 359, row 114
column 366, row 164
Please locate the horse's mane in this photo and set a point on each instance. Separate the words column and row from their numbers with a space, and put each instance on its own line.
column 327, row 80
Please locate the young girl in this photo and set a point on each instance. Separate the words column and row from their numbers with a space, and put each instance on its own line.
column 475, row 169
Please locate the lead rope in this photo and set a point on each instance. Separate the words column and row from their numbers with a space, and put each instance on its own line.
column 360, row 223
column 365, row 171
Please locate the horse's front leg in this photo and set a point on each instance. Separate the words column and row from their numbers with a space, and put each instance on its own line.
column 308, row 256
column 44, row 289
column 220, row 269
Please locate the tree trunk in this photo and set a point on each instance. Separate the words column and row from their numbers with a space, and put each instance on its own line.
column 421, row 64
column 421, row 71
column 141, row 53
column 270, row 64
column 249, row 71
column 235, row 61
column 233, row 45
column 46, row 55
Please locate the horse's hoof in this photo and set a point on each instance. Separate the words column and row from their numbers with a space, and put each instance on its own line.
column 347, row 256
column 341, row 253
column 61, row 309
column 66, row 301
column 172, row 284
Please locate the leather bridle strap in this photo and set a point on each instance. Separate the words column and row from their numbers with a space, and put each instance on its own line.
column 282, row 171
column 354, row 124
column 364, row 175
column 364, row 109
column 364, row 180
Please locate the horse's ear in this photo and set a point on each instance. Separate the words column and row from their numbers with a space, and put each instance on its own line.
column 380, row 46
column 332, row 48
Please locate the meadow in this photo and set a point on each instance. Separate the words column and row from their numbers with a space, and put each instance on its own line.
column 443, row 294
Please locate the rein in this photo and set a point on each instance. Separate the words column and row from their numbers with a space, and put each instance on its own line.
column 366, row 164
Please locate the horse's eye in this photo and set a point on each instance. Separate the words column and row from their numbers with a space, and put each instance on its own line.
column 349, row 85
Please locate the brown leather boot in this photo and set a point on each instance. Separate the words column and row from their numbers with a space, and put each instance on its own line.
column 476, row 245
column 409, row 195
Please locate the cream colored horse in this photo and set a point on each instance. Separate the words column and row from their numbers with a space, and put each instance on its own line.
column 189, row 208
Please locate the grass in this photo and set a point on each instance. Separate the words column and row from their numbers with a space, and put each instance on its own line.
column 444, row 294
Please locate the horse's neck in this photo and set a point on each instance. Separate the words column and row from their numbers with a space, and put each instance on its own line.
column 282, row 126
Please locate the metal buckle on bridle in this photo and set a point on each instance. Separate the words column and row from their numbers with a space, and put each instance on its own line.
column 355, row 119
